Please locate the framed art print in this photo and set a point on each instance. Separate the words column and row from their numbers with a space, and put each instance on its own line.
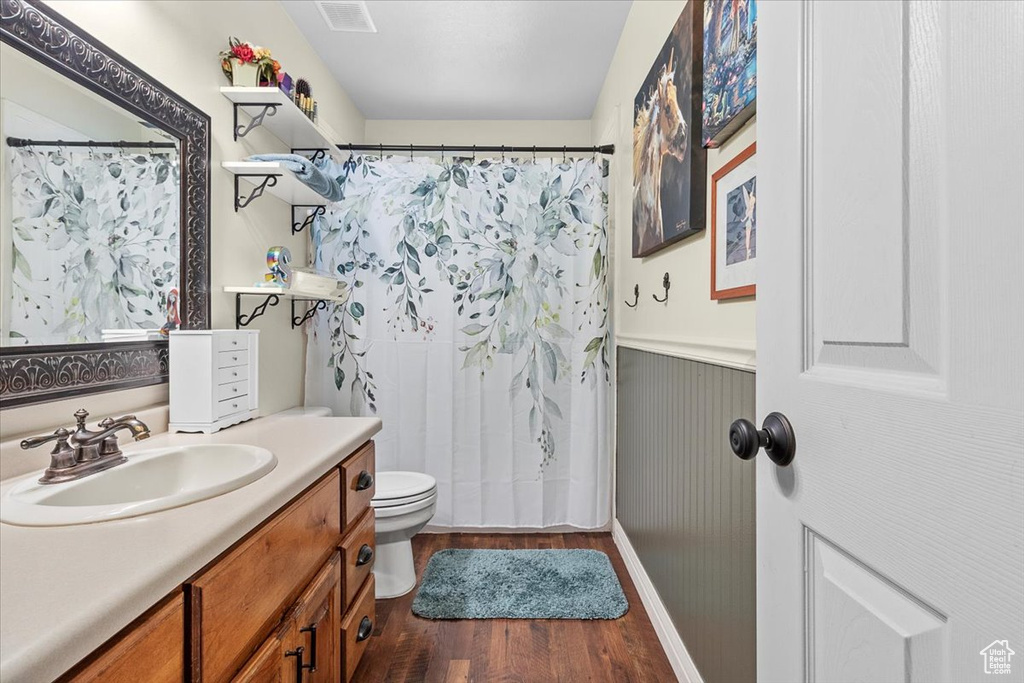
column 734, row 227
column 669, row 163
column 730, row 68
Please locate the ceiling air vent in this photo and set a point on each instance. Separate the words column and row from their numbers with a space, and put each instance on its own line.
column 346, row 15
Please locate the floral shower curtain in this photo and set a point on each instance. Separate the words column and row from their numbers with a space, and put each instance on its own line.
column 477, row 329
column 95, row 242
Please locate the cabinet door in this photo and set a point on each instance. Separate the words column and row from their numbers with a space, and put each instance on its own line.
column 152, row 650
column 316, row 621
column 269, row 664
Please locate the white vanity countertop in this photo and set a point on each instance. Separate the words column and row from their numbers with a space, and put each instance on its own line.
column 65, row 590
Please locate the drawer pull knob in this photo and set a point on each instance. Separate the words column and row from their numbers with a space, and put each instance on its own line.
column 234, row 374
column 365, row 629
column 364, row 556
column 311, row 630
column 299, row 666
column 234, row 389
column 364, row 481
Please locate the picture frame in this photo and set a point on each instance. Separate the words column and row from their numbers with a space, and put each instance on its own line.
column 734, row 227
column 669, row 162
column 730, row 68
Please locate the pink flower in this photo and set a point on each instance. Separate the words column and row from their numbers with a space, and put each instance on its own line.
column 243, row 52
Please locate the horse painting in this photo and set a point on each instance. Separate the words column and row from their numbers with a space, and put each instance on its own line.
column 668, row 169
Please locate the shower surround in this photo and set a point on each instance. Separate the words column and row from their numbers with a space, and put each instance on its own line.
column 477, row 329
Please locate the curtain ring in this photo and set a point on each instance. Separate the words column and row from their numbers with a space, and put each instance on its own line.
column 563, row 153
column 410, row 152
column 474, row 154
column 503, row 154
column 535, row 154
column 382, row 151
column 442, row 153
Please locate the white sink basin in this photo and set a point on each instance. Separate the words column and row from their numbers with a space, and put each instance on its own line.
column 151, row 480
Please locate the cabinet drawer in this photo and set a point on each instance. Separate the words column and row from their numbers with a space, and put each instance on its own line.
column 231, row 374
column 236, row 601
column 357, row 484
column 357, row 555
column 232, row 359
column 232, row 406
column 356, row 629
column 153, row 650
column 232, row 390
column 230, row 341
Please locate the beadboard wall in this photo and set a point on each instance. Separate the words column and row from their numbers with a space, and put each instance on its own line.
column 686, row 503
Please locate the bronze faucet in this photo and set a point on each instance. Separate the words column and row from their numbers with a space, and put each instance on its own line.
column 88, row 451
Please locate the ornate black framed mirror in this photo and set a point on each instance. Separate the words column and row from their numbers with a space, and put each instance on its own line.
column 105, row 238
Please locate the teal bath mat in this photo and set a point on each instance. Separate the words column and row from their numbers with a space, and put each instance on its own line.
column 520, row 584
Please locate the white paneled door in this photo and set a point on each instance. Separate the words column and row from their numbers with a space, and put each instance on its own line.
column 891, row 334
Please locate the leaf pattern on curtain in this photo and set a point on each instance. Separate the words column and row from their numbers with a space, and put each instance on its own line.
column 95, row 243
column 495, row 236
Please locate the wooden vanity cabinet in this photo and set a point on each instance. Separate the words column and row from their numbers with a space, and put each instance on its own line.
column 292, row 602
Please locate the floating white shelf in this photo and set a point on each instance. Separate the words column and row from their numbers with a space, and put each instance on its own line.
column 273, row 294
column 287, row 293
column 286, row 121
column 285, row 186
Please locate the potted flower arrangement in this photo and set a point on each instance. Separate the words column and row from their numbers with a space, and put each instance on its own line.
column 246, row 64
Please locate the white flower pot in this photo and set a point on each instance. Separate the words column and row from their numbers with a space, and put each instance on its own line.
column 244, row 73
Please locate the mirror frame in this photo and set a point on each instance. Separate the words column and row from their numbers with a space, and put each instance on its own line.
column 35, row 374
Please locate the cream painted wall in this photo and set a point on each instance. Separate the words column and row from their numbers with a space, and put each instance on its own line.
column 690, row 325
column 528, row 133
column 177, row 43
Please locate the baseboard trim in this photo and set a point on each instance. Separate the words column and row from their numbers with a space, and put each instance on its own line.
column 678, row 657
column 714, row 351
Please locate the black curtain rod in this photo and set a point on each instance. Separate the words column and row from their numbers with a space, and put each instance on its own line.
column 22, row 142
column 496, row 149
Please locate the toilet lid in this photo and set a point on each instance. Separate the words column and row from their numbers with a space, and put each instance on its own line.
column 394, row 486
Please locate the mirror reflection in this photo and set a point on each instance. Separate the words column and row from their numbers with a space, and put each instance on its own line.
column 89, row 214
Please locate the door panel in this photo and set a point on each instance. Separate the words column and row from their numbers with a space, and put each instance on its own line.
column 890, row 328
column 854, row 611
column 875, row 184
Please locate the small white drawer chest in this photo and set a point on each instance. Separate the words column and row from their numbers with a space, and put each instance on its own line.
column 214, row 379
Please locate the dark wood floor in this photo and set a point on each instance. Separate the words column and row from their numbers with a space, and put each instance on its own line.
column 405, row 647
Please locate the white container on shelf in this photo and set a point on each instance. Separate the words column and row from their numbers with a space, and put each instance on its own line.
column 214, row 379
column 308, row 280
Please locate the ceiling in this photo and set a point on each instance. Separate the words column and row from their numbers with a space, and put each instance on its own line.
column 490, row 59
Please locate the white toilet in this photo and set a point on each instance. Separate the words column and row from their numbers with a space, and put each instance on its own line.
column 403, row 503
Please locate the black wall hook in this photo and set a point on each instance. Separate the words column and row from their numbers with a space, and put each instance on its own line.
column 666, row 284
column 636, row 297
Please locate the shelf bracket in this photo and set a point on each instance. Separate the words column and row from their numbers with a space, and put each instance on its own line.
column 268, row 108
column 317, row 305
column 269, row 180
column 243, row 320
column 318, row 152
column 299, row 226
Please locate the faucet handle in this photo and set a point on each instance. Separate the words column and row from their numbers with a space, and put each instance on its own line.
column 80, row 416
column 62, row 456
column 58, row 435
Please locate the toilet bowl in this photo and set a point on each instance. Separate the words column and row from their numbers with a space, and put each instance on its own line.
column 403, row 503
